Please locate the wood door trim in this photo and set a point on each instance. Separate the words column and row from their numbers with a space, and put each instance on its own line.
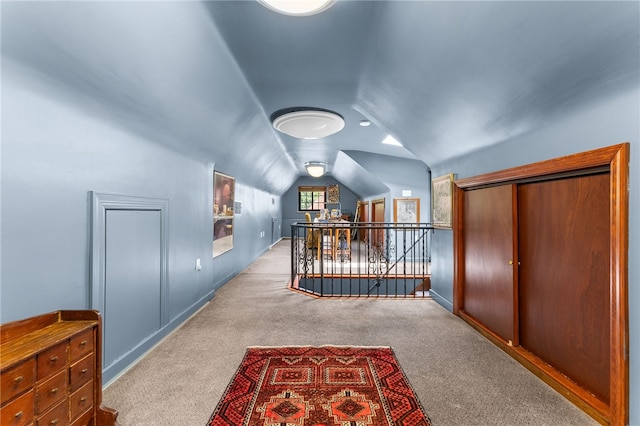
column 618, row 284
column 616, row 158
column 575, row 162
column 373, row 204
column 516, row 263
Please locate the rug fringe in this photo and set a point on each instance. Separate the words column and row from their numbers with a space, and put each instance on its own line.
column 319, row 346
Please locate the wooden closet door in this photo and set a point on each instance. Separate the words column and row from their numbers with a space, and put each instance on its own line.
column 564, row 277
column 489, row 255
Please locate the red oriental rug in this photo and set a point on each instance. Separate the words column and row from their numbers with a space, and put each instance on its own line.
column 319, row 386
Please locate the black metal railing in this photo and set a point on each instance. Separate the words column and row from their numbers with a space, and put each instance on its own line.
column 341, row 259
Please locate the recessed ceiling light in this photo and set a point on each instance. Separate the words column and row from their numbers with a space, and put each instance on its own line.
column 308, row 123
column 298, row 7
column 390, row 140
column 365, row 123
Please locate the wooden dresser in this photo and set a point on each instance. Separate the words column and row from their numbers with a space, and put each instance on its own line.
column 51, row 371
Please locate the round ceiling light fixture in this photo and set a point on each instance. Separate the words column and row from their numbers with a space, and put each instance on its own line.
column 298, row 7
column 307, row 123
column 315, row 168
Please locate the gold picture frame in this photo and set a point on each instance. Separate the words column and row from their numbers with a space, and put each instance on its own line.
column 442, row 202
column 406, row 210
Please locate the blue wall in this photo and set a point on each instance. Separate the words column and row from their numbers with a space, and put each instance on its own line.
column 54, row 152
column 609, row 122
column 398, row 174
column 290, row 212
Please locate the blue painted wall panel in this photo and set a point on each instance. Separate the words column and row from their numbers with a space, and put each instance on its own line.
column 133, row 253
column 54, row 153
column 442, row 267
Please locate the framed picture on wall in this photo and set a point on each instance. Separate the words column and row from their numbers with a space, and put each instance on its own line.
column 333, row 193
column 223, row 211
column 406, row 210
column 442, row 201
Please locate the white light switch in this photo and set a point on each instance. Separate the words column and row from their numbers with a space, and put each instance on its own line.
column 198, row 265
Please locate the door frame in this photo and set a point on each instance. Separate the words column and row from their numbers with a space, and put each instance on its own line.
column 373, row 206
column 377, row 234
column 363, row 217
column 100, row 203
column 614, row 159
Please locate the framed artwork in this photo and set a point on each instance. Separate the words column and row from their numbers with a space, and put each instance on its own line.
column 406, row 210
column 223, row 211
column 333, row 193
column 442, row 201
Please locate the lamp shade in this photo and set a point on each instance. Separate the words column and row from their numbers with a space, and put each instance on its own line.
column 315, row 168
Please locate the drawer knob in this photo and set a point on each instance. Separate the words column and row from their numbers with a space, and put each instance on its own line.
column 54, row 422
column 18, row 380
column 53, row 359
column 84, row 371
column 18, row 414
column 83, row 400
column 53, row 391
column 83, row 343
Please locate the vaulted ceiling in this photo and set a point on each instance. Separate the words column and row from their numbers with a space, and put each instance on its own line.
column 445, row 78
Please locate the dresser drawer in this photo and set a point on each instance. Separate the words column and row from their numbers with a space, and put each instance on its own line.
column 81, row 372
column 19, row 411
column 84, row 420
column 52, row 360
column 17, row 379
column 57, row 416
column 50, row 371
column 81, row 344
column 52, row 391
column 81, row 401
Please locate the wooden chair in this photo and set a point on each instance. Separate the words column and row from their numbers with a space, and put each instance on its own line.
column 313, row 236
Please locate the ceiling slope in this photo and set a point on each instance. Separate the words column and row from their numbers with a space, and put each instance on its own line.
column 445, row 78
column 158, row 69
column 451, row 77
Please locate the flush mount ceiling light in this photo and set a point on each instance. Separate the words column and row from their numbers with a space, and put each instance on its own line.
column 315, row 168
column 308, row 123
column 298, row 7
column 365, row 123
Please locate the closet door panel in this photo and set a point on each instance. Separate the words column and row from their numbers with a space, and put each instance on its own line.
column 564, row 310
column 488, row 246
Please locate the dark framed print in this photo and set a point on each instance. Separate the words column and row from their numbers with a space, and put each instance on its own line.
column 223, row 211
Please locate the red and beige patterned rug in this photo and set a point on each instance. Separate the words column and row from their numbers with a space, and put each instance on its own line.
column 319, row 386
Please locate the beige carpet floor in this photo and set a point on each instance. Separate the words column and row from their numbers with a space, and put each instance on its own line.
column 460, row 377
